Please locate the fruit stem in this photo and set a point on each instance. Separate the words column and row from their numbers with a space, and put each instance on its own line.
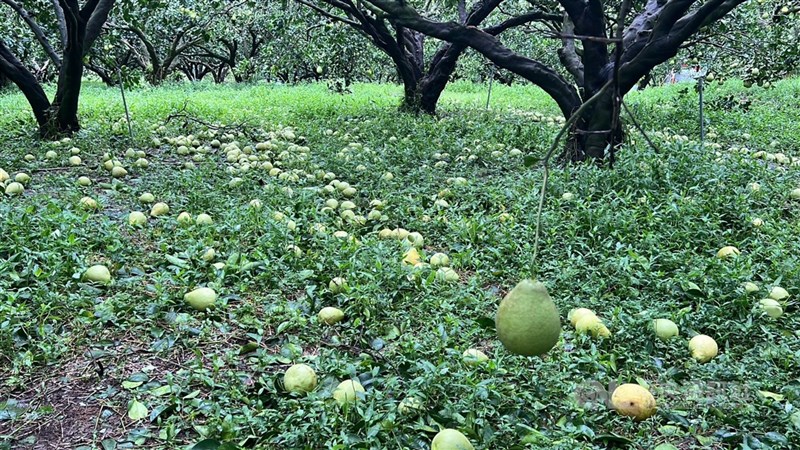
column 546, row 166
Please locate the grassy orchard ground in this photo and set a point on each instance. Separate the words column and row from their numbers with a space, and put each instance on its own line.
column 75, row 357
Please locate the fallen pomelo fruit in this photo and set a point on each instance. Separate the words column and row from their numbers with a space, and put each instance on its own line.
column 665, row 329
column 300, row 378
column 450, row 439
column 338, row 285
column 330, row 315
column 778, row 293
column 159, row 209
column 88, row 203
column 474, row 357
column 84, row 181
column 527, row 320
column 203, row 219
column 136, row 218
column 409, row 405
column 592, row 325
column 447, row 275
column 750, row 287
column 14, row 188
column 577, row 314
column 704, row 348
column 634, row 401
column 98, row 274
column 415, row 239
column 347, row 392
column 440, row 260
column 411, row 257
column 118, row 172
column 771, row 307
column 201, row 298
column 184, row 218
column 728, row 251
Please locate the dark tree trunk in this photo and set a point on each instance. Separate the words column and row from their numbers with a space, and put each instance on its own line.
column 3, row 81
column 63, row 115
column 598, row 132
column 12, row 68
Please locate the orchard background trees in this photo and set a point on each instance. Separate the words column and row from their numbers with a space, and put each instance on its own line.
column 566, row 47
column 72, row 29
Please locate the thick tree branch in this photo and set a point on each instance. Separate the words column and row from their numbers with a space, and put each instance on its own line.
column 36, row 29
column 61, row 21
column 95, row 18
column 536, row 72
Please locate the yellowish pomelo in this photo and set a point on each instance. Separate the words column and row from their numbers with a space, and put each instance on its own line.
column 592, row 325
column 118, row 172
column 778, row 293
column 634, row 401
column 203, row 219
column 185, row 218
column 527, row 320
column 22, row 177
column 750, row 287
column 440, row 260
column 728, row 252
column 415, row 239
column 14, row 188
column 409, row 406
column 147, row 198
column 703, row 348
column 577, row 314
column 88, row 203
column 338, row 285
column 446, row 275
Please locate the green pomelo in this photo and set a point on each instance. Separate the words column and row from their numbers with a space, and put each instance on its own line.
column 330, row 315
column 300, row 378
column 450, row 439
column 771, row 307
column 778, row 293
column 136, row 218
column 201, row 298
column 474, row 357
column 665, row 329
column 527, row 320
column 347, row 392
column 97, row 274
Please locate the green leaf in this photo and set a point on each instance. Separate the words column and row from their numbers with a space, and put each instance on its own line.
column 131, row 384
column 161, row 390
column 530, row 160
column 174, row 260
column 136, row 410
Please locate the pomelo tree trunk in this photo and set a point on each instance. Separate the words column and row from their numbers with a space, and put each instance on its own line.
column 642, row 39
column 80, row 27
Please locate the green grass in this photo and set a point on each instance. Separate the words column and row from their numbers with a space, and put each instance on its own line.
column 74, row 357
